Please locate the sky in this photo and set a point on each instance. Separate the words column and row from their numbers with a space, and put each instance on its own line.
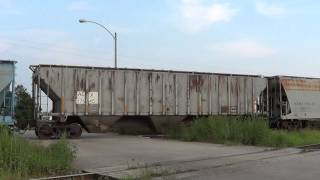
column 274, row 37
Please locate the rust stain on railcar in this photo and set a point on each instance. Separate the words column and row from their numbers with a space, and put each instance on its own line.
column 150, row 77
column 80, row 84
column 235, row 91
column 301, row 85
column 164, row 108
column 77, row 81
column 87, row 109
column 170, row 88
column 230, row 110
column 62, row 104
column 224, row 109
column 157, row 78
column 110, row 87
column 196, row 82
column 193, row 82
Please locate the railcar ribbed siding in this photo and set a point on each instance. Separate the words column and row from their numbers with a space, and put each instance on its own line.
column 129, row 92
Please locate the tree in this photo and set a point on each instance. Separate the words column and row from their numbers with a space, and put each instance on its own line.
column 24, row 106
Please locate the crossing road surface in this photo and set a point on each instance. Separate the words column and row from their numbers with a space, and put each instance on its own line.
column 122, row 156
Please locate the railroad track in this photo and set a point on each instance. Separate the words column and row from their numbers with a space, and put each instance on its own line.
column 182, row 167
column 79, row 176
column 310, row 148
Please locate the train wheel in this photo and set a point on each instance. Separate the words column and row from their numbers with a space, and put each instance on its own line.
column 44, row 131
column 74, row 130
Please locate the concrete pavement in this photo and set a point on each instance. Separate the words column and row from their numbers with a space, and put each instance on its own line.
column 119, row 156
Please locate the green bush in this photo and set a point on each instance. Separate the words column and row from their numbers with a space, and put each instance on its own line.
column 293, row 138
column 242, row 130
column 20, row 158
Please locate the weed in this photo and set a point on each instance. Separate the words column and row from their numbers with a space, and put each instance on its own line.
column 21, row 159
column 242, row 130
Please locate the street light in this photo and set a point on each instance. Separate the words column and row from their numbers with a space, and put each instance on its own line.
column 114, row 36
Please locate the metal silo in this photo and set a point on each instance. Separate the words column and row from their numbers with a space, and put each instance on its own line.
column 7, row 95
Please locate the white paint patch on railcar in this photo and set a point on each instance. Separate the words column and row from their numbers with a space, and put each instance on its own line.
column 93, row 97
column 81, row 97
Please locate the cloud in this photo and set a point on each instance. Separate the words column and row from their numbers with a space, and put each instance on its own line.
column 79, row 6
column 244, row 49
column 270, row 9
column 197, row 16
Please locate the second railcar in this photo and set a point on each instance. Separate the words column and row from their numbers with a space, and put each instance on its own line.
column 96, row 98
column 294, row 101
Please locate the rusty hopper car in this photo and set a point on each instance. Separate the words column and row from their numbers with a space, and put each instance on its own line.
column 294, row 101
column 97, row 98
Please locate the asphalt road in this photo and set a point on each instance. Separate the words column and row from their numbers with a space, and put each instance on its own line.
column 120, row 156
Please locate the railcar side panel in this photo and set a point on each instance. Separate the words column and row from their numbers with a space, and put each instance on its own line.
column 302, row 98
column 94, row 93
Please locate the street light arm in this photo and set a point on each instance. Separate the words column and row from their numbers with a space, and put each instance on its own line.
column 102, row 27
column 113, row 35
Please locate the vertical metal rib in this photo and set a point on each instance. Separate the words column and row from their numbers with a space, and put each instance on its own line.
column 163, row 94
column 188, row 94
column 210, row 94
column 137, row 92
column 268, row 97
column 150, row 94
column 86, row 92
column 219, row 98
column 74, row 92
column 100, row 92
column 229, row 94
column 48, row 89
column 112, row 92
column 125, row 109
column 176, row 94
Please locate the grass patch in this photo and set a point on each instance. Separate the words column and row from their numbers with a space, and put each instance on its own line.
column 242, row 130
column 293, row 138
column 21, row 159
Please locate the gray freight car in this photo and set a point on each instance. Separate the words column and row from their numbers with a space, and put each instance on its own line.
column 294, row 101
column 97, row 98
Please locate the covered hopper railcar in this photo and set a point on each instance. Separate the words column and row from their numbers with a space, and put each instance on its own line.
column 294, row 101
column 97, row 98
